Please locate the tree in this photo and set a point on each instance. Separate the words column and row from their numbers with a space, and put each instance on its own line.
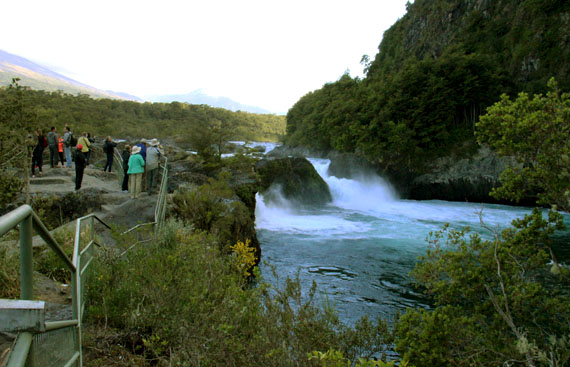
column 536, row 131
column 17, row 122
column 497, row 302
column 504, row 301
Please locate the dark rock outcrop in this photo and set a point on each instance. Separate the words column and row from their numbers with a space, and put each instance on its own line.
column 297, row 178
column 349, row 165
column 468, row 179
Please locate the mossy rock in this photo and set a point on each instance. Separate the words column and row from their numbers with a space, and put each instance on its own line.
column 298, row 179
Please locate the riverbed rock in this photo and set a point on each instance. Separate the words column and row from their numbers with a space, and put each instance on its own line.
column 297, row 178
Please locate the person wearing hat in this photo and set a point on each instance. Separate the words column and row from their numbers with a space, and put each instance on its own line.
column 135, row 171
column 152, row 158
column 80, row 162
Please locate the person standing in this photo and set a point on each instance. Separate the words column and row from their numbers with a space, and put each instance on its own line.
column 143, row 145
column 109, row 149
column 80, row 163
column 126, row 154
column 37, row 154
column 85, row 144
column 152, row 159
column 60, row 150
column 135, row 171
column 53, row 142
column 67, row 146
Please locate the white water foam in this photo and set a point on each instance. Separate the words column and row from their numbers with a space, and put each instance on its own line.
column 281, row 216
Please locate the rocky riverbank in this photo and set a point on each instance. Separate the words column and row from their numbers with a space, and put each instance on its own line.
column 446, row 178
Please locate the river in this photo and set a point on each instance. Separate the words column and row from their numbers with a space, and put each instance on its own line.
column 361, row 247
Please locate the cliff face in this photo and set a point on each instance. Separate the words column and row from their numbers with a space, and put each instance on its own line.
column 528, row 40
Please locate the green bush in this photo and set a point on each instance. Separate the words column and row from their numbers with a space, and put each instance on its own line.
column 9, row 272
column 10, row 187
column 498, row 302
column 179, row 300
column 215, row 208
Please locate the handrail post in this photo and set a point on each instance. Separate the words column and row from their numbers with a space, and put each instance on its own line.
column 26, row 263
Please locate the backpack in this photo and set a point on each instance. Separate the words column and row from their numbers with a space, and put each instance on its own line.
column 44, row 142
column 106, row 147
column 72, row 140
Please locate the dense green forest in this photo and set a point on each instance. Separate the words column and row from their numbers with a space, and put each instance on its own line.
column 125, row 119
column 438, row 69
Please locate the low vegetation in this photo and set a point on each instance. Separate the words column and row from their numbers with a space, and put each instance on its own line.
column 178, row 300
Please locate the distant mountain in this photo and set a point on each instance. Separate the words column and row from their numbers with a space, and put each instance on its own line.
column 199, row 97
column 38, row 77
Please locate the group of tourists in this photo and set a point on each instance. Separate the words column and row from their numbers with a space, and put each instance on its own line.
column 57, row 145
column 140, row 162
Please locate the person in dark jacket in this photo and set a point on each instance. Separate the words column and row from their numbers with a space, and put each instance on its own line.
column 53, row 142
column 37, row 154
column 80, row 162
column 109, row 149
column 126, row 154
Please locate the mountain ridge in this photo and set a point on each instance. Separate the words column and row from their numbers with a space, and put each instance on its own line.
column 39, row 77
column 198, row 96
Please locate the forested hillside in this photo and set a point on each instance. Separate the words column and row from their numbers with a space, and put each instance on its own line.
column 438, row 68
column 178, row 121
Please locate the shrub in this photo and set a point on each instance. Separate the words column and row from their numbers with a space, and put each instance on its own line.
column 180, row 300
column 10, row 187
column 9, row 273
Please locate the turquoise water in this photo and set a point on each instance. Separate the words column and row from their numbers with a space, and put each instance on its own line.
column 361, row 247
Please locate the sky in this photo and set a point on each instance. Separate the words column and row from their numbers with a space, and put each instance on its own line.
column 266, row 53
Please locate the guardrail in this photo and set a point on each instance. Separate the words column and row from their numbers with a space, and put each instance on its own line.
column 41, row 343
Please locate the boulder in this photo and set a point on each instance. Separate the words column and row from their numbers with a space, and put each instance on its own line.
column 297, row 178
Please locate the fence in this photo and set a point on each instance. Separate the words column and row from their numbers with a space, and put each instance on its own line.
column 40, row 342
column 57, row 343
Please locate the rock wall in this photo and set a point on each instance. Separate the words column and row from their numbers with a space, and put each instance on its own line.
column 297, row 178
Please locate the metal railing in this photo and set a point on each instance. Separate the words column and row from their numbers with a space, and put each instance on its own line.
column 160, row 209
column 56, row 343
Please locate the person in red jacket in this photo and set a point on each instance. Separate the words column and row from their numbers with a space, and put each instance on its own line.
column 60, row 150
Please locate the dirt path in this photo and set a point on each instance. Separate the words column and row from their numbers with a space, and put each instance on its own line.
column 61, row 180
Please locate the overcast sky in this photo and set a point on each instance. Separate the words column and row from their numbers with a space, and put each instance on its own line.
column 263, row 53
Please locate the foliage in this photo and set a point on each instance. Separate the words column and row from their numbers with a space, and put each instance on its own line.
column 414, row 115
column 49, row 264
column 334, row 358
column 55, row 211
column 18, row 119
column 131, row 119
column 438, row 68
column 244, row 257
column 179, row 300
column 497, row 301
column 9, row 272
column 10, row 187
column 536, row 131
